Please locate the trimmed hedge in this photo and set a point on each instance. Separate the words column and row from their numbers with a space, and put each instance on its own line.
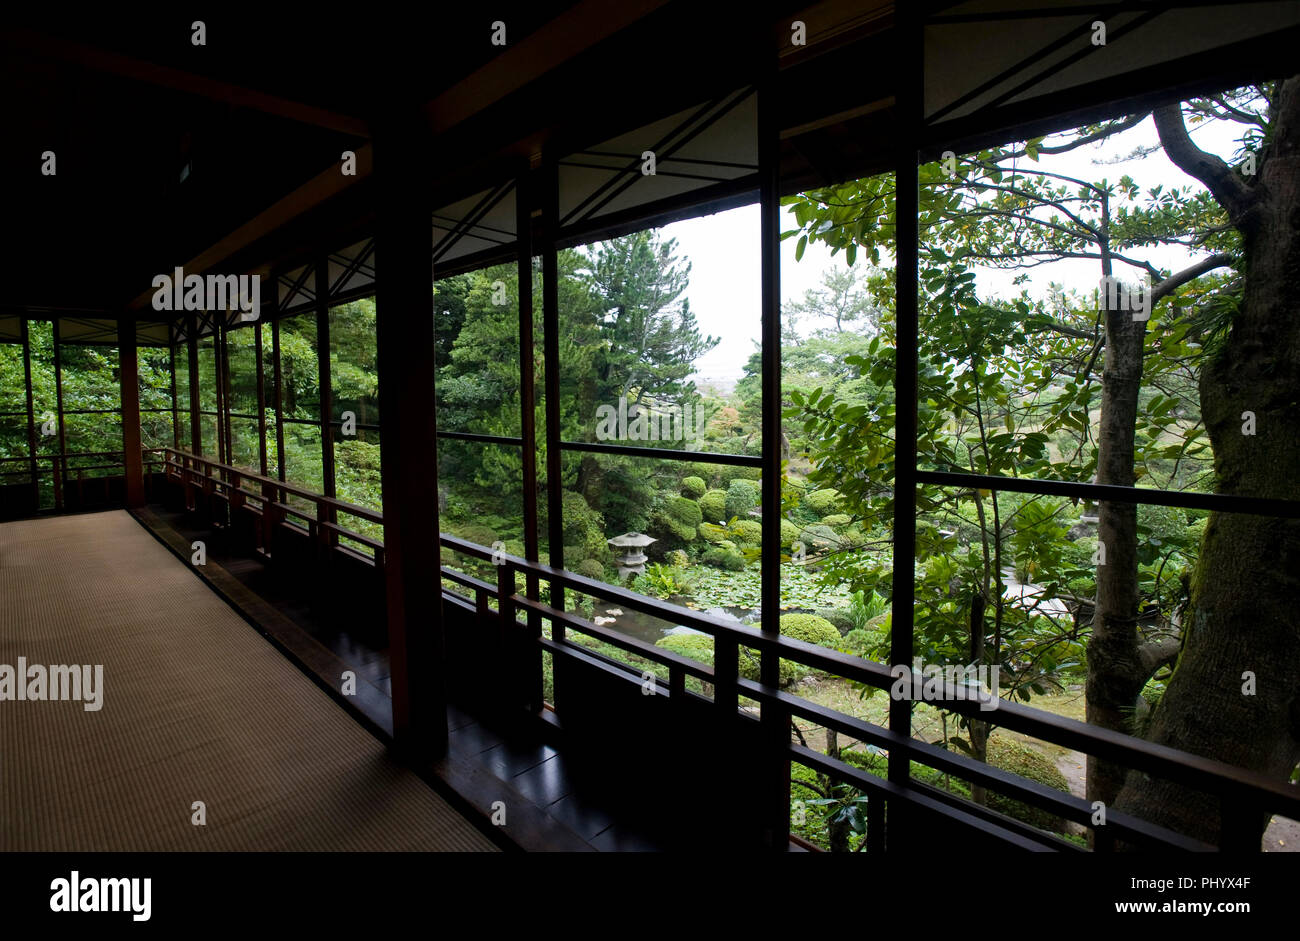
column 747, row 532
column 742, row 496
column 823, row 502
column 678, row 518
column 713, row 505
column 693, row 487
column 727, row 559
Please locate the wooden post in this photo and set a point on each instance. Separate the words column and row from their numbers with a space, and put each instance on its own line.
column 261, row 402
column 404, row 162
column 129, row 381
column 32, row 449
column 60, row 464
column 196, row 423
column 775, row 793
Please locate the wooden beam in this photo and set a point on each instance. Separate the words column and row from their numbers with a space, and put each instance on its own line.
column 320, row 188
column 112, row 63
column 587, row 24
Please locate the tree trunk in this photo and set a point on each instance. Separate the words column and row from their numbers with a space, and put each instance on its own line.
column 1242, row 617
column 1115, row 677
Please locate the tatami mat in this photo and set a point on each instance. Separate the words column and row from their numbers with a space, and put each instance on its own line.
column 196, row 707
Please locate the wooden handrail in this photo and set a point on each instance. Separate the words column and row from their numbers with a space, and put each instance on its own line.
column 370, row 516
column 1228, row 782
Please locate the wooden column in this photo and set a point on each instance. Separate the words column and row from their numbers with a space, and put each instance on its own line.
column 403, row 165
column 775, row 794
column 129, row 380
column 60, row 463
column 32, row 448
column 279, row 399
column 549, row 180
column 910, row 80
column 261, row 402
column 171, row 366
column 196, row 423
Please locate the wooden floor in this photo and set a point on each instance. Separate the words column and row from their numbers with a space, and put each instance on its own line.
column 196, row 707
column 557, row 803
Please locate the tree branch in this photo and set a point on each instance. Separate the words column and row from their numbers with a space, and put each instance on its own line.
column 1133, row 120
column 1226, row 187
column 1190, row 273
column 1158, row 653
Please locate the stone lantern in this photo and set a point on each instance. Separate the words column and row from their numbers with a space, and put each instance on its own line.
column 627, row 548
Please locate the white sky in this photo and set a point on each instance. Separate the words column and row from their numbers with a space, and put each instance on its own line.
column 724, row 290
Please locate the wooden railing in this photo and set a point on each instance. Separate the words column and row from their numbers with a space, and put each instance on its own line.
column 268, row 498
column 1245, row 798
column 66, row 470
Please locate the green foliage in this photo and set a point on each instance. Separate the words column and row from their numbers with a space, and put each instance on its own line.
column 662, row 581
column 810, row 629
column 584, row 527
column 479, row 535
column 790, row 534
column 823, row 502
column 727, row 559
column 1030, row 763
column 840, row 617
column 746, row 532
column 693, row 646
column 693, row 487
column 591, row 569
column 713, row 506
column 868, row 644
column 865, row 607
column 676, row 521
column 730, row 473
column 742, row 496
column 837, row 521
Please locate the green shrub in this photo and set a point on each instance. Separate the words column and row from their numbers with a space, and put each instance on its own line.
column 713, row 506
column 1028, row 762
column 678, row 559
column 837, row 521
column 823, row 502
column 585, row 528
column 713, row 533
column 747, row 532
column 727, row 559
column 840, row 617
column 810, row 628
column 591, row 569
column 742, row 496
column 740, row 473
column 865, row 643
column 481, row 535
column 676, row 521
column 693, row 487
column 693, row 646
column 822, row 536
column 709, row 473
column 806, row 627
